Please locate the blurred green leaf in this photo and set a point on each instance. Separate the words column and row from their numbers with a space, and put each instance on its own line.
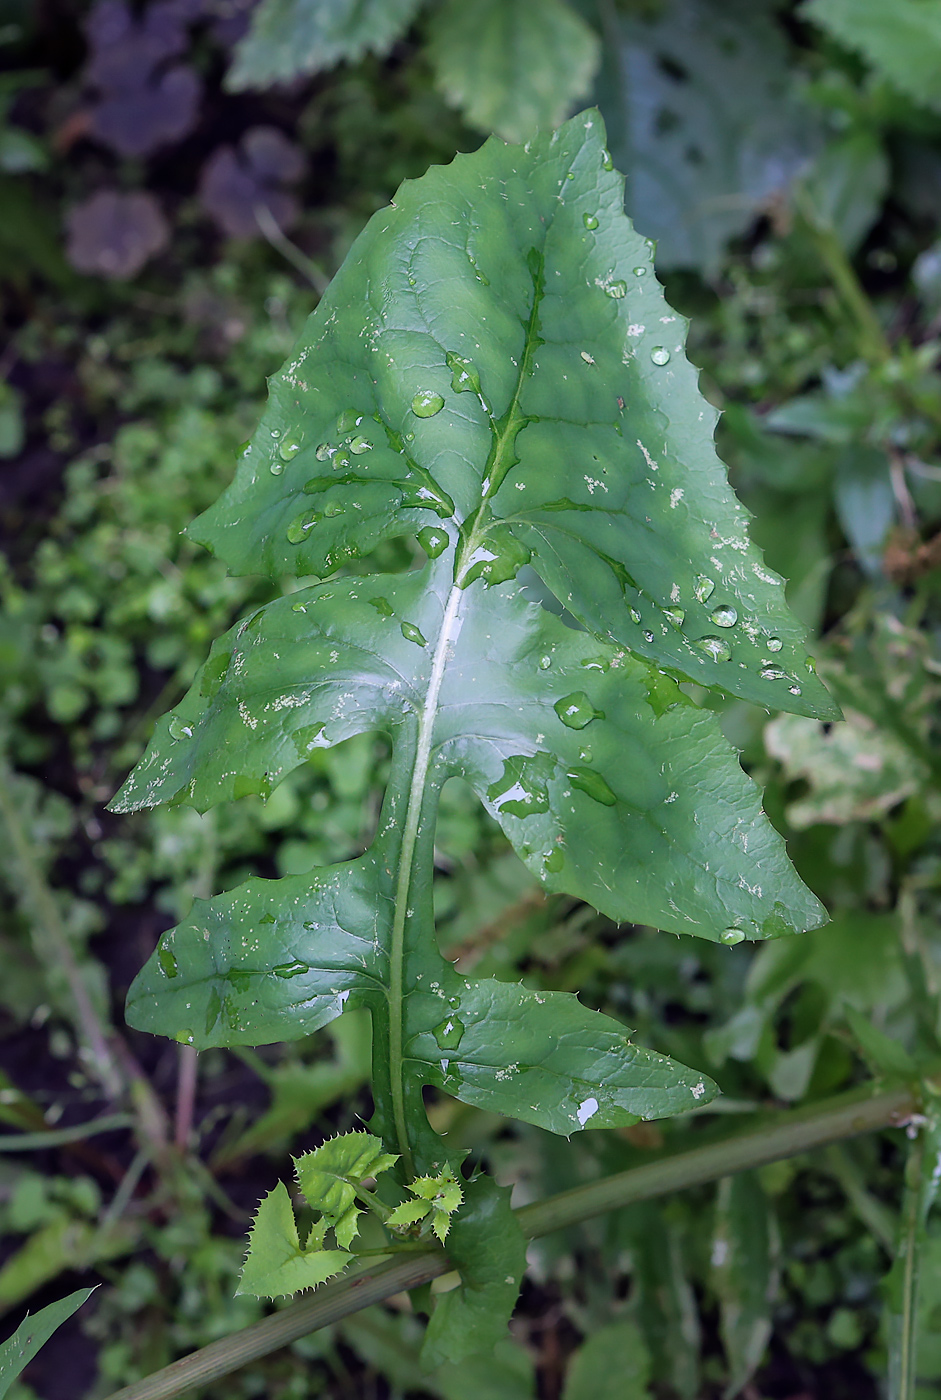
column 744, row 1273
column 901, row 40
column 611, row 1364
column 19, row 1349
column 289, row 38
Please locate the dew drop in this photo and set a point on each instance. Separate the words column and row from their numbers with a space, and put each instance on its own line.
column 432, row 540
column 704, row 588
column 299, row 527
column 660, row 355
column 648, row 636
column 521, row 789
column 715, row 647
column 554, row 861
column 640, row 272
column 774, row 643
column 617, row 290
column 772, row 673
column 545, row 662
column 324, row 451
column 465, row 377
column 811, row 665
column 291, row 969
column 608, row 162
column 360, row 445
column 724, row 616
column 289, row 448
column 168, row 963
column 427, row 403
column 276, row 468
column 341, row 458
column 382, row 606
column 179, row 730
column 576, row 710
column 591, row 221
column 585, row 755
column 184, row 1037
column 348, row 420
column 675, row 615
column 592, row 784
column 794, row 689
column 275, row 432
column 449, row 1033
column 411, row 634
column 635, row 615
column 732, row 935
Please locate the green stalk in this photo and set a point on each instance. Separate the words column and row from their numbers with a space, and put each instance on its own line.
column 787, row 1135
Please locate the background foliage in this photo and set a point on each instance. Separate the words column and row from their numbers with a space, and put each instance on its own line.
column 154, row 164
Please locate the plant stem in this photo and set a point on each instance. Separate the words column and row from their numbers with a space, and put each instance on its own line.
column 787, row 1135
column 416, row 797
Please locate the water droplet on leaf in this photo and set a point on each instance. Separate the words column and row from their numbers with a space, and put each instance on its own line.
column 640, row 272
column 276, row 468
column 411, row 634
column 774, row 644
column 449, row 1033
column 635, row 615
column 521, row 790
column 545, row 662
column 432, row 540
column 427, row 403
column 289, row 448
column 348, row 420
column 168, row 963
column 660, row 355
column 724, row 616
column 382, row 606
column 732, row 935
column 464, row 374
column 772, row 673
column 591, row 221
column 617, row 290
column 715, row 647
column 178, row 729
column 299, row 527
column 576, row 710
column 360, row 445
column 675, row 615
column 324, row 451
column 291, row 969
column 704, row 588
column 554, row 861
column 592, row 784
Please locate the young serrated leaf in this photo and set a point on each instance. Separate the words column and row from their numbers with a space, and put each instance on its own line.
column 33, row 1332
column 330, row 1175
column 276, row 1263
column 512, row 68
column 291, row 37
column 487, row 1246
column 438, row 1198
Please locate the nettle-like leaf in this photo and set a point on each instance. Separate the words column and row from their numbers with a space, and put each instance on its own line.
column 293, row 37
column 494, row 371
column 511, row 68
column 436, row 1199
column 331, row 1178
column 277, row 1263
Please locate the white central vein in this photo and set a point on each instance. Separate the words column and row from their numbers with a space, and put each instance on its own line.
column 447, row 635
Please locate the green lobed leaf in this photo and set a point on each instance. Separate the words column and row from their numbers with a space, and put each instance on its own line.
column 611, row 1364
column 33, row 1332
column 512, row 68
column 438, row 1197
column 276, row 1263
column 330, row 1175
column 487, row 1246
column 587, row 441
column 293, row 37
column 705, row 120
column 901, row 40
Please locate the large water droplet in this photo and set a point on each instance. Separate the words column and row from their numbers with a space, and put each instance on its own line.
column 464, row 374
column 675, row 615
column 427, row 498
column 811, row 664
column 276, row 468
column 592, row 784
column 576, row 710
column 300, row 526
column 715, row 647
column 449, row 1033
column 360, row 445
column 521, row 790
column 732, row 935
column 554, row 861
column 411, row 634
column 168, row 963
column 178, row 729
column 289, row 448
column 774, row 643
column 640, row 272
column 382, row 606
column 704, row 588
column 660, row 355
column 616, row 289
column 427, row 403
column 772, row 673
column 591, row 221
column 634, row 615
column 324, row 451
column 432, row 540
column 724, row 615
column 348, row 420
column 585, row 754
column 184, row 1037
column 291, row 969
column 608, row 161
column 545, row 662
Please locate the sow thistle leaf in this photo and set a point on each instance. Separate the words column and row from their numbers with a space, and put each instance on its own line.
column 330, row 1175
column 496, row 359
column 276, row 1263
column 437, row 1198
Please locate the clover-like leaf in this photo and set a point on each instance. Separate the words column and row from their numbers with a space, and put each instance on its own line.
column 276, row 1262
column 332, row 1175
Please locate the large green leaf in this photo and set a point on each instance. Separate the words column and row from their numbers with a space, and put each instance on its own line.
column 495, row 365
column 704, row 120
column 291, row 37
column 512, row 67
column 611, row 784
column 902, row 40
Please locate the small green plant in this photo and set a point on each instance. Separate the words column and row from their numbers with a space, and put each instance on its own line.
column 494, row 372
